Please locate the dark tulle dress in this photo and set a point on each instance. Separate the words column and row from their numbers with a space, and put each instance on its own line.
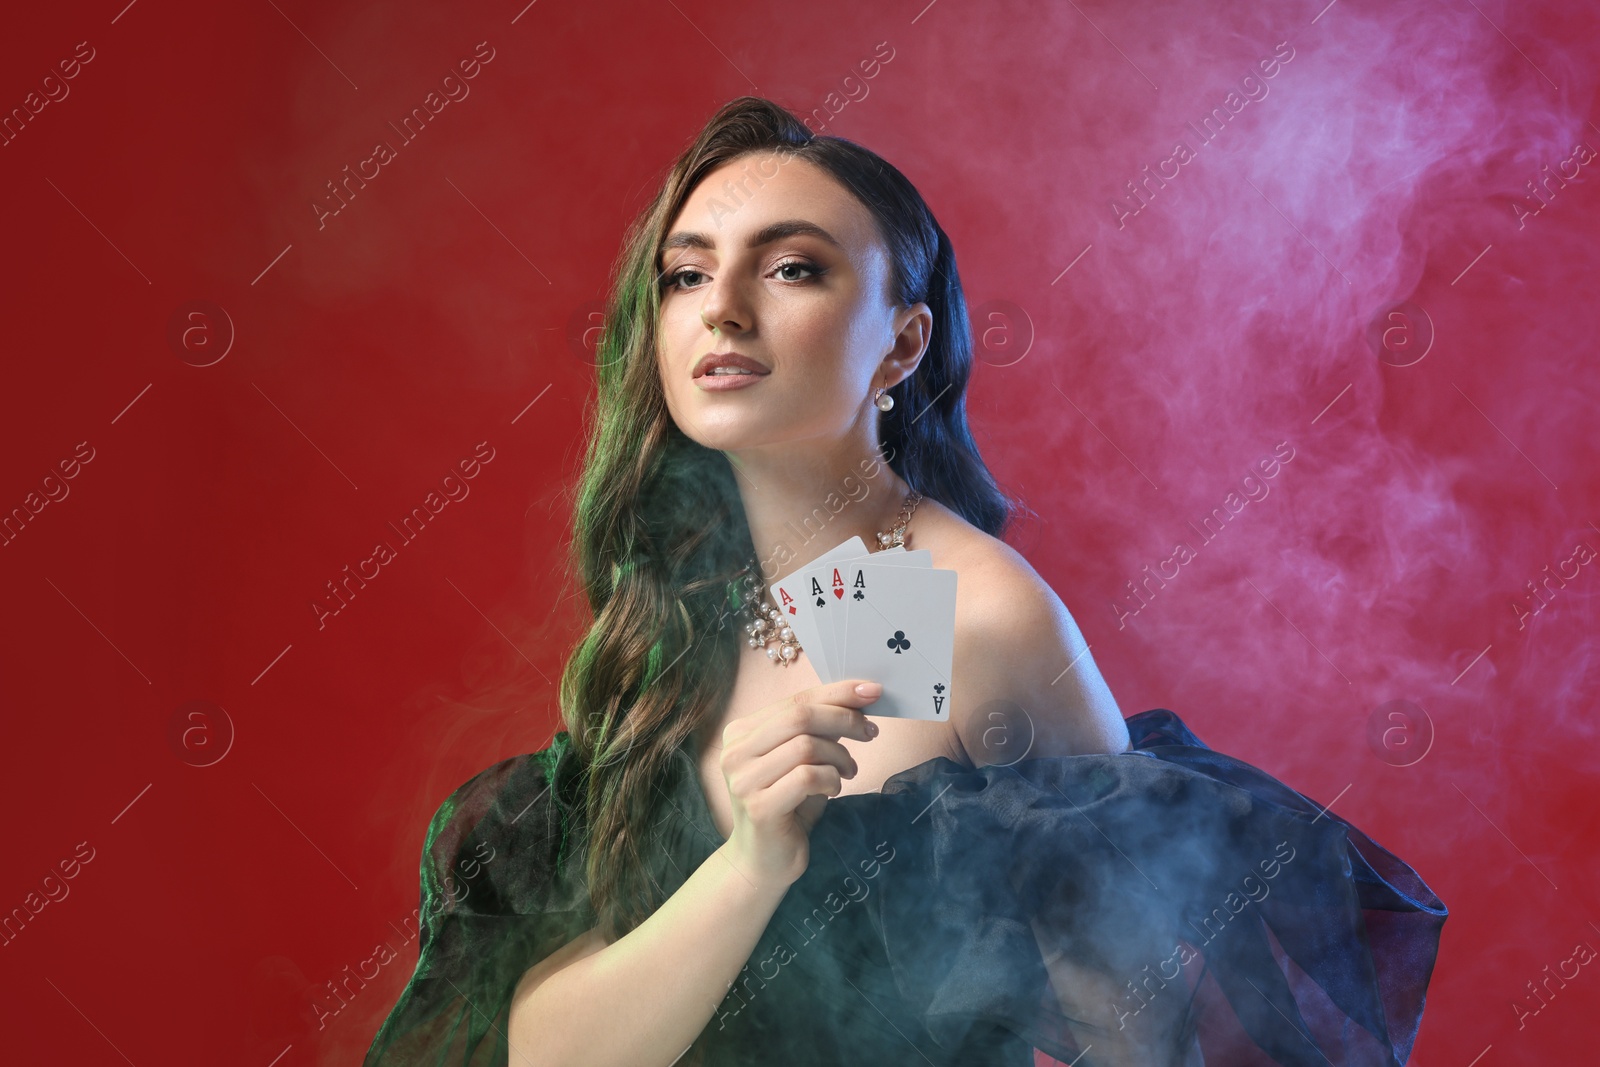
column 1185, row 895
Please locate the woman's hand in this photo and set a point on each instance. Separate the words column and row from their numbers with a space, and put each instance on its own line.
column 781, row 764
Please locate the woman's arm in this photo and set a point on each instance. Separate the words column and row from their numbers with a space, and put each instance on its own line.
column 642, row 1000
column 1029, row 688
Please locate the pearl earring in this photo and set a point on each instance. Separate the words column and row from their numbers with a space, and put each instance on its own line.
column 884, row 401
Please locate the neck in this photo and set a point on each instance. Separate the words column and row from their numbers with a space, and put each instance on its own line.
column 801, row 504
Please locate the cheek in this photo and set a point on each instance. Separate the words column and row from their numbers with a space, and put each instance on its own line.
column 825, row 337
column 674, row 392
column 674, row 342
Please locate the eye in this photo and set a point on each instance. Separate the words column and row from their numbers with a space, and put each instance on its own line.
column 799, row 264
column 674, row 280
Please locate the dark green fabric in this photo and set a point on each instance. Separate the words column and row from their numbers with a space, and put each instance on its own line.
column 910, row 938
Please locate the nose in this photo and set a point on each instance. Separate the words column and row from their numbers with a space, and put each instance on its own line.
column 724, row 307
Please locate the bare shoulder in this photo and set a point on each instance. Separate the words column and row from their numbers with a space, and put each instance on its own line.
column 1027, row 684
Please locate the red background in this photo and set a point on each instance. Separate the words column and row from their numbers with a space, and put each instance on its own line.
column 1354, row 266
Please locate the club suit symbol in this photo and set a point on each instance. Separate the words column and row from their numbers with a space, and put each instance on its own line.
column 898, row 642
column 860, row 595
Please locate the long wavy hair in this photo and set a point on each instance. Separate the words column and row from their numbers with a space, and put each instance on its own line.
column 660, row 539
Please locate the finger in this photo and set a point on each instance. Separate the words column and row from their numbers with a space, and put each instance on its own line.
column 808, row 779
column 831, row 710
column 762, row 772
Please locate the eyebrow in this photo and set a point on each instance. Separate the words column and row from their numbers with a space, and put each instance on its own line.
column 766, row 235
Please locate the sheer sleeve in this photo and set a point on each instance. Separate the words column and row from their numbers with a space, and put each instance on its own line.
column 1161, row 906
column 501, row 889
column 1310, row 942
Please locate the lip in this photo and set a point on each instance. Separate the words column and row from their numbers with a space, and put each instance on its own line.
column 722, row 383
column 705, row 363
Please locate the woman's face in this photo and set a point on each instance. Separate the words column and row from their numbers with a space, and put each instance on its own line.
column 788, row 267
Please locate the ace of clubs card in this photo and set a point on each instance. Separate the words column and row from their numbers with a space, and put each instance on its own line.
column 899, row 629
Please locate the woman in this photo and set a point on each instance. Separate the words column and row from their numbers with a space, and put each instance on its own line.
column 669, row 879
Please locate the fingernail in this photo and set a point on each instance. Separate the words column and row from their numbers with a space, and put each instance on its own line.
column 872, row 729
column 869, row 689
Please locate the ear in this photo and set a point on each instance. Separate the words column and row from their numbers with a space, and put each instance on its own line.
column 913, row 328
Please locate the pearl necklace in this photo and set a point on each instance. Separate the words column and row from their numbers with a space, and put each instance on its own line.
column 767, row 628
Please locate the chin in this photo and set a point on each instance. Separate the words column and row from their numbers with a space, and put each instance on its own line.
column 723, row 422
column 724, row 434
column 736, row 442
column 749, row 437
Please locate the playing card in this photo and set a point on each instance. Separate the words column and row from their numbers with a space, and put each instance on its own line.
column 888, row 557
column 899, row 627
column 795, row 598
column 820, row 587
column 823, row 584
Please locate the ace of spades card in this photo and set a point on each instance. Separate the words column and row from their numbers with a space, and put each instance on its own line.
column 801, row 600
column 899, row 629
